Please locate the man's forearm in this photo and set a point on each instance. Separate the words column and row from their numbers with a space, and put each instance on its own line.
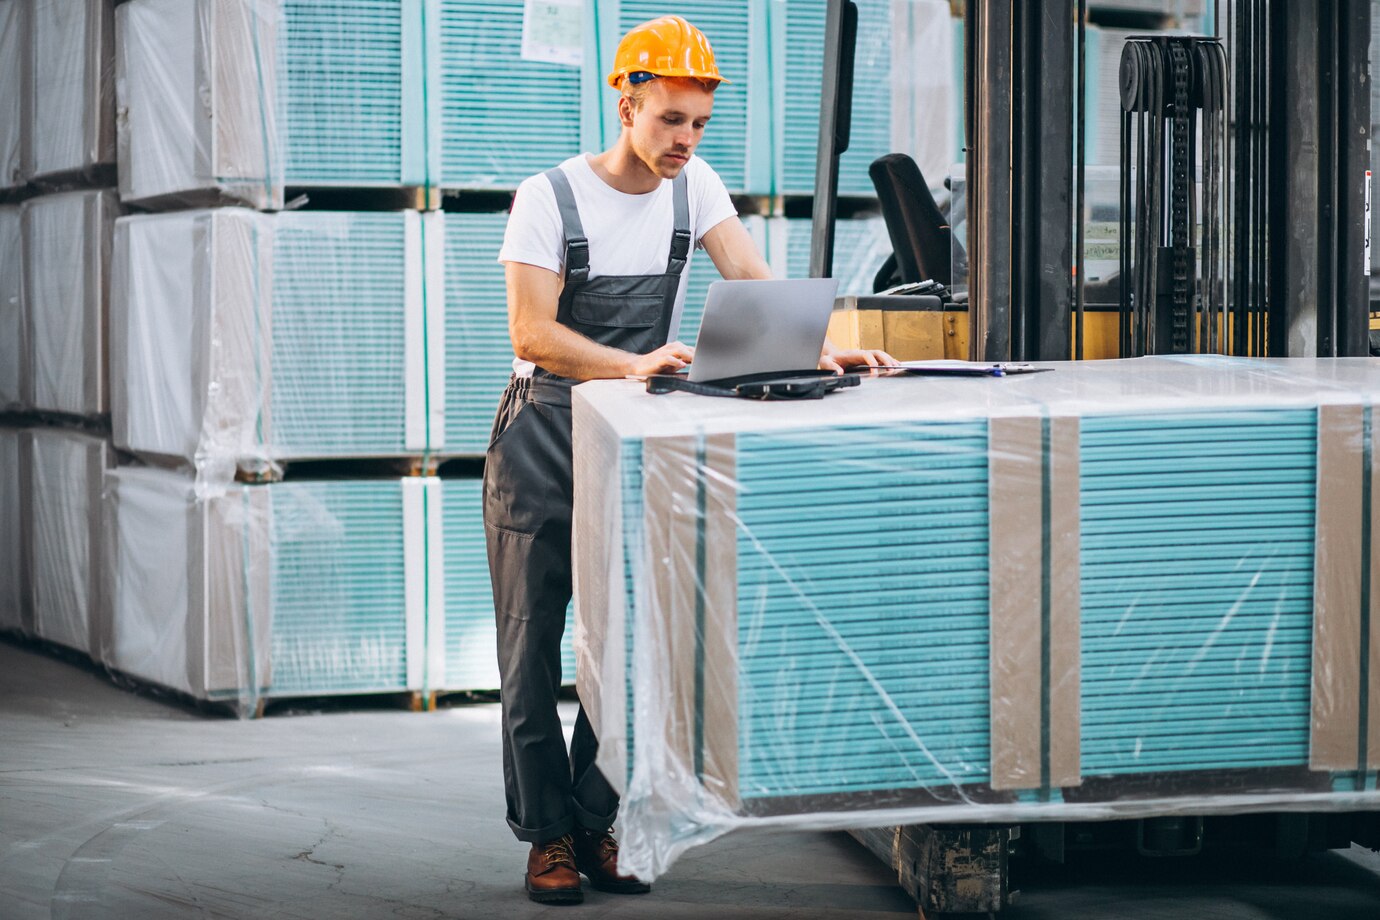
column 566, row 353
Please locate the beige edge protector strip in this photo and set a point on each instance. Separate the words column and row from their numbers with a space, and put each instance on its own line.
column 1035, row 658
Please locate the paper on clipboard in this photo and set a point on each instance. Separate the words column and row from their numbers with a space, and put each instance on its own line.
column 552, row 32
column 954, row 368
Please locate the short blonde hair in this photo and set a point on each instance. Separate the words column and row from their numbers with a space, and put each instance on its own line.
column 636, row 93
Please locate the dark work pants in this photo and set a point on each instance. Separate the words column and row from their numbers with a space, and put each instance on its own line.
column 528, row 498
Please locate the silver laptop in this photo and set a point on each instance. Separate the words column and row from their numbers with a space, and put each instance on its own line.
column 762, row 327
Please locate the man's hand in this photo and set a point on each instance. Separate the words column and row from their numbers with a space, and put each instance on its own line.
column 665, row 360
column 838, row 360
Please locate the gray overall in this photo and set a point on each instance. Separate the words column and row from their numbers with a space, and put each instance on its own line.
column 528, row 498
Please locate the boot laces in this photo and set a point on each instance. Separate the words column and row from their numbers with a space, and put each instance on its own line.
column 559, row 852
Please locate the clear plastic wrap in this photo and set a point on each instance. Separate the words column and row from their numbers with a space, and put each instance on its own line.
column 290, row 589
column 14, row 48
column 65, row 523
column 235, row 100
column 300, row 588
column 195, row 81
column 66, row 279
column 1114, row 589
column 244, row 340
column 71, row 111
column 12, row 332
column 14, row 562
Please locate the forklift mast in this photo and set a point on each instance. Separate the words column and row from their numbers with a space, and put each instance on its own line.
column 1262, row 136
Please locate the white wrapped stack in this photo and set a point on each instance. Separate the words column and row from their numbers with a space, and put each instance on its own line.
column 71, row 114
column 14, row 46
column 14, row 567
column 191, row 78
column 289, row 589
column 246, row 339
column 66, row 243
column 12, row 332
column 66, row 476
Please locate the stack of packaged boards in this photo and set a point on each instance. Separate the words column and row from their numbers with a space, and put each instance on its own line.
column 241, row 338
column 1120, row 588
column 288, row 589
column 299, row 588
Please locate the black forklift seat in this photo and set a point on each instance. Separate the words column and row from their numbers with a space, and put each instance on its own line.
column 919, row 231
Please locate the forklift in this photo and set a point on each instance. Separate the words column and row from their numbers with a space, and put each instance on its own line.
column 1243, row 230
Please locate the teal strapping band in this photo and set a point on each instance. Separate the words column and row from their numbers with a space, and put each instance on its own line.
column 1363, row 717
column 250, row 637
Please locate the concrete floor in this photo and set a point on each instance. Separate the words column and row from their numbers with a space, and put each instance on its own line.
column 117, row 805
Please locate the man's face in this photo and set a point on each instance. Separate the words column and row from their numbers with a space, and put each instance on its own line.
column 667, row 128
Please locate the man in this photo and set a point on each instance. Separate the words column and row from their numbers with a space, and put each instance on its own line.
column 595, row 255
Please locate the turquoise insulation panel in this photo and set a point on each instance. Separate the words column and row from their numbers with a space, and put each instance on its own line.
column 471, row 637
column 338, row 361
column 862, row 654
column 1197, row 590
column 338, row 588
column 798, row 62
column 479, row 353
column 503, row 118
column 345, row 110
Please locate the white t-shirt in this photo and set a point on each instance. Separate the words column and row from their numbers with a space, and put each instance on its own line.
column 628, row 234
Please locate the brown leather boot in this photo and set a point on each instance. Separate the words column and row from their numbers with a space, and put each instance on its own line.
column 551, row 874
column 596, row 855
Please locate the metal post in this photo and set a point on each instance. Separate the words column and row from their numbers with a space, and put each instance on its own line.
column 1295, row 176
column 989, row 181
column 1352, row 312
column 835, row 109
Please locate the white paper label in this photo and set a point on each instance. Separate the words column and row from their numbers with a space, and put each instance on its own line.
column 551, row 32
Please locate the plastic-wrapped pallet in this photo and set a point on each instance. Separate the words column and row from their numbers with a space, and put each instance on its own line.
column 234, row 99
column 71, row 110
column 15, row 566
column 67, row 243
column 246, row 339
column 291, row 589
column 1115, row 589
column 66, row 476
column 738, row 144
column 509, row 92
column 12, row 329
column 470, row 636
column 14, row 49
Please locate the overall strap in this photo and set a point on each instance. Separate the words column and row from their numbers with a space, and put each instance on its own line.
column 576, row 244
column 680, row 236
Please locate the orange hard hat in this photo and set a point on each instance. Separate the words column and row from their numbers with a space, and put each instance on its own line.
column 664, row 47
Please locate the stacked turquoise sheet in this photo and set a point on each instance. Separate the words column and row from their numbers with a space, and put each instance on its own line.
column 1197, row 555
column 245, row 340
column 1047, row 596
column 479, row 353
column 290, row 589
column 471, row 651
column 506, row 112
